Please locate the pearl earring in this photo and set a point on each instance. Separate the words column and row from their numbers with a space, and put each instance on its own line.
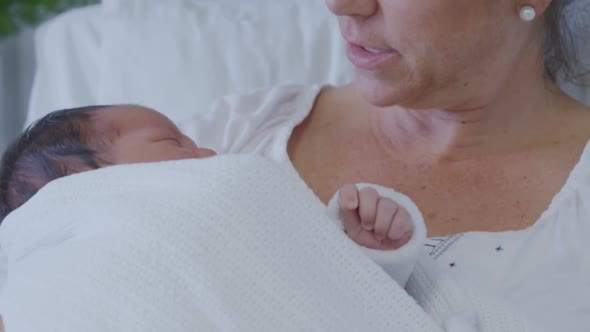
column 528, row 13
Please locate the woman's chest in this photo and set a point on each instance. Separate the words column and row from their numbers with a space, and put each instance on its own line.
column 488, row 195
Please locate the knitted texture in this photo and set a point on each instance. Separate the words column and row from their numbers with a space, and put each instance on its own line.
column 223, row 244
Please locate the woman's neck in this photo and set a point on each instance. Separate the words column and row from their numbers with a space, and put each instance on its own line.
column 520, row 116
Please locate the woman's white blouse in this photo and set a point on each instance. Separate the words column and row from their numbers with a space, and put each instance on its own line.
column 544, row 271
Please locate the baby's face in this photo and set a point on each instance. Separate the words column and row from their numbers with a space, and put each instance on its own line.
column 144, row 135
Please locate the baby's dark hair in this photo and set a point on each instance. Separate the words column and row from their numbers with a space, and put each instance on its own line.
column 57, row 145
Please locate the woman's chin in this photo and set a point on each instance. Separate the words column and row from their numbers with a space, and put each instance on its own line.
column 379, row 93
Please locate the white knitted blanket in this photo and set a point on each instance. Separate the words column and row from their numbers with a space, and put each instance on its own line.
column 223, row 244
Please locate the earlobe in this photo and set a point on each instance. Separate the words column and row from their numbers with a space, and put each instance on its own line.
column 526, row 9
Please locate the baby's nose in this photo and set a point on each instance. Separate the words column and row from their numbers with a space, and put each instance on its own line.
column 205, row 153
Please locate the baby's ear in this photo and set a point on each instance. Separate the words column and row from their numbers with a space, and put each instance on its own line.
column 75, row 164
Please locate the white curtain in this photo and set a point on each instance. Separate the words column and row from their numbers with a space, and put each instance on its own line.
column 17, row 68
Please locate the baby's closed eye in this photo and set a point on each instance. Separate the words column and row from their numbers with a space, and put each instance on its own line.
column 169, row 140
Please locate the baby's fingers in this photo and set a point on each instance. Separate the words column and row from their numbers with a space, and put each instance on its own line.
column 348, row 197
column 355, row 231
column 389, row 244
column 386, row 211
column 368, row 198
column 400, row 231
column 402, row 225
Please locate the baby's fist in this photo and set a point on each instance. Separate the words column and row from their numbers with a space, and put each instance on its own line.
column 373, row 221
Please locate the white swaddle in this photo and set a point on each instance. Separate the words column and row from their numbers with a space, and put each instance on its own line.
column 223, row 244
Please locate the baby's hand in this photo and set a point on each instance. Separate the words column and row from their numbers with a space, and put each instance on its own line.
column 373, row 221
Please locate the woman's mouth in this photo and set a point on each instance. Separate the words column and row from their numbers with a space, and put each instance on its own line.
column 372, row 50
column 367, row 57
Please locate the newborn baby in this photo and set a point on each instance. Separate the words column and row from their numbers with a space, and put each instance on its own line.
column 83, row 139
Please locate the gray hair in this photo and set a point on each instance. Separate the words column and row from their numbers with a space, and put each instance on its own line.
column 564, row 23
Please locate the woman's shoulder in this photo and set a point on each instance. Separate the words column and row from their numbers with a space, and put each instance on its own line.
column 576, row 129
column 267, row 103
column 237, row 121
column 579, row 178
column 572, row 202
column 253, row 101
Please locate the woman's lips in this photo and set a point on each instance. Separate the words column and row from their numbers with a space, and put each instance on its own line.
column 367, row 58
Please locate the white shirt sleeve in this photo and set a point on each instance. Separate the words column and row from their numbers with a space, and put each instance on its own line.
column 260, row 123
column 398, row 263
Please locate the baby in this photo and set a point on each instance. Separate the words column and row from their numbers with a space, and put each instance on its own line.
column 83, row 139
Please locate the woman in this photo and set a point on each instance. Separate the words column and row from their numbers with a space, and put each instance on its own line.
column 455, row 104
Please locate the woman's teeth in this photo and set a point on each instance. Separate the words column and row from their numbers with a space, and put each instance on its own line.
column 372, row 50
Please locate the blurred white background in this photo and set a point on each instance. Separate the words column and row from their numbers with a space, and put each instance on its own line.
column 17, row 67
column 17, row 57
column 304, row 48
